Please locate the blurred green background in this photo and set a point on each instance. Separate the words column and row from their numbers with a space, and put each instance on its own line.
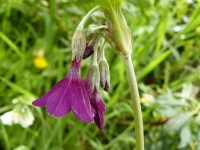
column 35, row 53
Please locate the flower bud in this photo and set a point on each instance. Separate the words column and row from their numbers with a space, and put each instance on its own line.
column 78, row 43
column 94, row 77
column 104, row 75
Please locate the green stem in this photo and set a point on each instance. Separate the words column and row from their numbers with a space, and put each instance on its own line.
column 97, row 29
column 87, row 16
column 5, row 137
column 135, row 102
column 94, row 56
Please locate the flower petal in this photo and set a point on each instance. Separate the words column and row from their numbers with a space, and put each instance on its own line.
column 7, row 118
column 59, row 102
column 86, row 84
column 74, row 72
column 89, row 50
column 80, row 104
column 64, row 106
column 43, row 99
column 99, row 106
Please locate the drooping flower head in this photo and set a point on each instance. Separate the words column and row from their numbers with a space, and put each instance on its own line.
column 82, row 97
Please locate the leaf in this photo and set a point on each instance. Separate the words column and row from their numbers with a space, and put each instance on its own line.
column 21, row 147
column 177, row 122
column 186, row 137
column 198, row 138
column 10, row 43
column 16, row 87
column 155, row 62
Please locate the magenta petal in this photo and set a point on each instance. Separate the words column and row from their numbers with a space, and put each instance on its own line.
column 99, row 106
column 86, row 84
column 74, row 71
column 59, row 102
column 89, row 50
column 43, row 100
column 80, row 104
column 64, row 106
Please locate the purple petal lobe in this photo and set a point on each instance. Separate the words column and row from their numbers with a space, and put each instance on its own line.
column 64, row 106
column 107, row 87
column 88, row 51
column 59, row 102
column 99, row 106
column 80, row 104
column 43, row 100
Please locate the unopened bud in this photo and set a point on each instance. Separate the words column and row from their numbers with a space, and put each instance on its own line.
column 78, row 43
column 94, row 77
column 104, row 75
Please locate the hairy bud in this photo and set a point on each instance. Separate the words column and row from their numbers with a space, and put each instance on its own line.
column 78, row 43
column 104, row 75
column 94, row 77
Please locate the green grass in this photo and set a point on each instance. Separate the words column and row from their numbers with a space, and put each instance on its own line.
column 166, row 55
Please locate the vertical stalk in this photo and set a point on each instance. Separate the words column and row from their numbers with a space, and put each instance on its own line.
column 135, row 102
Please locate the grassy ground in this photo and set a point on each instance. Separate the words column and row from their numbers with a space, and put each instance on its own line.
column 166, row 55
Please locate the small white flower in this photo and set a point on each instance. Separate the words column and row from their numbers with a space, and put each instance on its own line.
column 19, row 115
column 7, row 118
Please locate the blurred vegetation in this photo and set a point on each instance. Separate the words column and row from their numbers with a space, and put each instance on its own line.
column 166, row 55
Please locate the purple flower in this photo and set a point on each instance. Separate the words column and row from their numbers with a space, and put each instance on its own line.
column 97, row 103
column 67, row 95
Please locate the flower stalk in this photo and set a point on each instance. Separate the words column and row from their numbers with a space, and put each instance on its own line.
column 135, row 102
column 87, row 16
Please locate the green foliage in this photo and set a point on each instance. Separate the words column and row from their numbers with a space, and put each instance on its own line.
column 166, row 55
